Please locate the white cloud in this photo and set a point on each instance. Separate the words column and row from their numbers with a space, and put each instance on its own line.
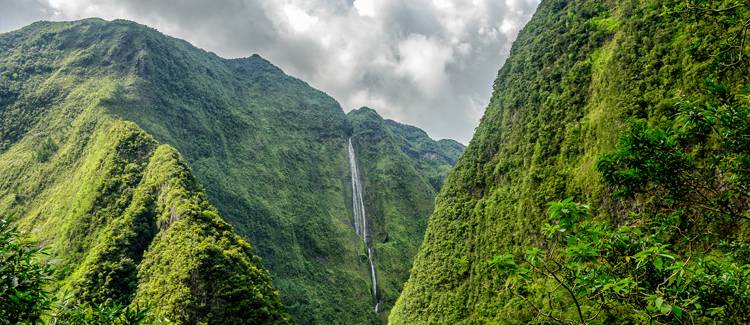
column 298, row 19
column 509, row 27
column 425, row 62
column 365, row 7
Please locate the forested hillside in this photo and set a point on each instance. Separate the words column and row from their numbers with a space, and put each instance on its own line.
column 111, row 134
column 122, row 217
column 398, row 163
column 433, row 159
column 608, row 179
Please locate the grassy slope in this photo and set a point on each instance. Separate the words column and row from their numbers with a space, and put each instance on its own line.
column 576, row 73
column 109, row 200
column 269, row 149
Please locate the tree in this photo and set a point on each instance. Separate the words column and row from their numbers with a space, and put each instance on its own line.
column 590, row 271
column 681, row 257
column 23, row 278
column 25, row 296
column 702, row 163
column 45, row 151
column 95, row 314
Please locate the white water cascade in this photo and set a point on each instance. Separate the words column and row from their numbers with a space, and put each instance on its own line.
column 360, row 219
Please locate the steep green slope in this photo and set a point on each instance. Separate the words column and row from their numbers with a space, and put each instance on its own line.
column 397, row 163
column 118, row 210
column 432, row 158
column 577, row 73
column 270, row 151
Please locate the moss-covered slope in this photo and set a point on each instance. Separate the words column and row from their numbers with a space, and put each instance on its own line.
column 122, row 215
column 576, row 74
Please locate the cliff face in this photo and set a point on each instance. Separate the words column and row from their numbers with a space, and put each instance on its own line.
column 577, row 74
column 398, row 164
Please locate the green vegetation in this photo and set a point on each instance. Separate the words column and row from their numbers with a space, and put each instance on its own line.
column 88, row 314
column 122, row 216
column 23, row 296
column 662, row 265
column 606, row 103
column 45, row 151
column 146, row 236
column 590, row 272
column 434, row 159
column 93, row 115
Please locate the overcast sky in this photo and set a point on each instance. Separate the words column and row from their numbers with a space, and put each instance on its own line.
column 430, row 63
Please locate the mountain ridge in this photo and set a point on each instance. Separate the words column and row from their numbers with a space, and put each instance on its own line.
column 268, row 150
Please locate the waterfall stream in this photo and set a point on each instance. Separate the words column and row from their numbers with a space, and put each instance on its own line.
column 360, row 219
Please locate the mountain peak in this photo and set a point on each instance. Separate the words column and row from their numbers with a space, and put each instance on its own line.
column 365, row 110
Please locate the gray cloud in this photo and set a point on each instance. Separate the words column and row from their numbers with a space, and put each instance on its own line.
column 430, row 63
column 18, row 13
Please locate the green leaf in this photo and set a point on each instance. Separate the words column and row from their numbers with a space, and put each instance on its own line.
column 667, row 256
column 665, row 309
column 677, row 311
column 658, row 263
column 658, row 302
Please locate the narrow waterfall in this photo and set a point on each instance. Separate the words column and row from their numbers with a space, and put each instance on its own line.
column 360, row 219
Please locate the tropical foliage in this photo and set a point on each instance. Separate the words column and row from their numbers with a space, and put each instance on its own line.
column 23, row 278
column 25, row 295
column 662, row 265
